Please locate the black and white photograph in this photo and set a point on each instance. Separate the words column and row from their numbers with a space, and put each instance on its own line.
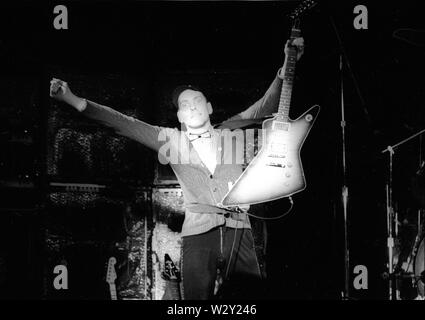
column 214, row 151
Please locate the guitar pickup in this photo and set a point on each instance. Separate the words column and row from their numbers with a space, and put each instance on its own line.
column 281, row 125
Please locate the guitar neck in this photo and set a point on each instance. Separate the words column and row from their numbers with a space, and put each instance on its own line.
column 113, row 291
column 288, row 79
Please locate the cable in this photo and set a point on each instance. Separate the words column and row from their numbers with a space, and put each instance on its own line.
column 236, row 230
column 274, row 218
column 232, row 250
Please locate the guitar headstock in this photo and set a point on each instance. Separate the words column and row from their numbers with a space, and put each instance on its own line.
column 111, row 275
column 302, row 8
column 296, row 14
column 170, row 273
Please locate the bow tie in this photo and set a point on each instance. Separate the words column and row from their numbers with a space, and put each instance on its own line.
column 195, row 136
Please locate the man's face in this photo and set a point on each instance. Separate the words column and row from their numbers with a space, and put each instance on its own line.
column 194, row 110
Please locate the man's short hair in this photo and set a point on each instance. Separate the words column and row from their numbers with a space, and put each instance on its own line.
column 178, row 90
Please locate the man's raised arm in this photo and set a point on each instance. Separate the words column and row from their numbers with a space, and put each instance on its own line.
column 122, row 124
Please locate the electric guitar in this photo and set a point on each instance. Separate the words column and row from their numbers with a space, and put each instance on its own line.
column 111, row 276
column 276, row 171
column 171, row 275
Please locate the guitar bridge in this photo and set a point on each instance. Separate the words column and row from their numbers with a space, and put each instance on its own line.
column 273, row 155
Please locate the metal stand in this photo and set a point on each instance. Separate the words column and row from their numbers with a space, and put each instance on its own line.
column 343, row 60
column 392, row 294
column 344, row 191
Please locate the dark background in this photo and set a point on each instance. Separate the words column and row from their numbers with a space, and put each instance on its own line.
column 130, row 55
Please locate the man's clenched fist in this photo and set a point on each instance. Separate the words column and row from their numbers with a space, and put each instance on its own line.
column 60, row 91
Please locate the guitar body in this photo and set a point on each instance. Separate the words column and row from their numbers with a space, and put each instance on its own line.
column 171, row 275
column 111, row 276
column 276, row 171
column 172, row 290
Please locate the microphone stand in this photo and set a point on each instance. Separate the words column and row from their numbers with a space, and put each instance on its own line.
column 344, row 191
column 390, row 215
column 343, row 60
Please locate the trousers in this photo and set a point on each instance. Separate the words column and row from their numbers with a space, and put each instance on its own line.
column 222, row 253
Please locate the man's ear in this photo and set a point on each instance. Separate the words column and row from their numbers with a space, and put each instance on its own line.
column 180, row 116
column 209, row 108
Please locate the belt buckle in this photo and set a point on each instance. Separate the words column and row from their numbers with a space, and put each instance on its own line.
column 237, row 209
column 229, row 210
